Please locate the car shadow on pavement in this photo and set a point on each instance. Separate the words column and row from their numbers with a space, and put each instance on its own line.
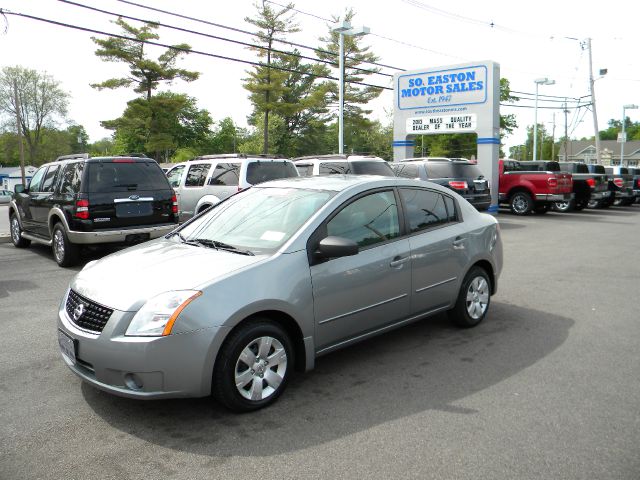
column 429, row 365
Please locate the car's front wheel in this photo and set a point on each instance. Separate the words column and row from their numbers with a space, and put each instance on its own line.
column 473, row 299
column 16, row 233
column 253, row 366
column 65, row 252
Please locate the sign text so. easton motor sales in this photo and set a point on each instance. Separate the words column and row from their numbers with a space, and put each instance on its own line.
column 463, row 86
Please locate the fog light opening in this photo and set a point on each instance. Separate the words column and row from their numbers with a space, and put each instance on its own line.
column 133, row 381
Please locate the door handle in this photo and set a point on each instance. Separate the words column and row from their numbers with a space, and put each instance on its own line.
column 458, row 243
column 398, row 261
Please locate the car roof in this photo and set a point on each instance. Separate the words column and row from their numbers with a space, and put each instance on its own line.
column 240, row 157
column 339, row 158
column 338, row 183
column 436, row 160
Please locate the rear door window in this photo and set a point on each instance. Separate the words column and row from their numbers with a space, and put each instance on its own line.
column 49, row 182
column 226, row 174
column 197, row 175
column 71, row 177
column 123, row 176
column 258, row 172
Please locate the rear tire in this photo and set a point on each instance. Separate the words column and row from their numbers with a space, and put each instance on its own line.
column 16, row 233
column 253, row 366
column 564, row 207
column 473, row 300
column 65, row 253
column 595, row 204
column 521, row 203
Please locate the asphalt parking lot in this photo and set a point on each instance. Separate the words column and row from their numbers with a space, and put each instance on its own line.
column 546, row 388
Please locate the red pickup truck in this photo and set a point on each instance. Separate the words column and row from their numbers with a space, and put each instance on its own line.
column 526, row 190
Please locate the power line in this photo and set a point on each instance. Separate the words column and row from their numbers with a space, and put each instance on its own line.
column 185, row 50
column 373, row 34
column 215, row 37
column 194, row 19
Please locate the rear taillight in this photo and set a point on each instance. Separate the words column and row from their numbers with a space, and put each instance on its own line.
column 458, row 185
column 591, row 182
column 174, row 204
column 618, row 182
column 638, row 182
column 82, row 209
column 553, row 182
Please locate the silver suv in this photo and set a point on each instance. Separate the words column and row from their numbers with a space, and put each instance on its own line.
column 343, row 164
column 209, row 179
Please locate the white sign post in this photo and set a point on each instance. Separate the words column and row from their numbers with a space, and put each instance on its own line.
column 455, row 99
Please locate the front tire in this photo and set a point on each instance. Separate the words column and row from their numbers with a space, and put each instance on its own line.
column 16, row 233
column 65, row 253
column 473, row 299
column 253, row 366
column 521, row 203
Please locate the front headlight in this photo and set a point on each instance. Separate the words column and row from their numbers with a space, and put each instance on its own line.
column 157, row 316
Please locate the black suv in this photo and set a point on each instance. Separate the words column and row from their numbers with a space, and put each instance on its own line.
column 78, row 200
column 461, row 176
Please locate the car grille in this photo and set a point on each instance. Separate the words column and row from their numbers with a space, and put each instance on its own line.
column 92, row 316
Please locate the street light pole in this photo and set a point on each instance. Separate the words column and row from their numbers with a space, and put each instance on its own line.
column 623, row 139
column 343, row 29
column 538, row 81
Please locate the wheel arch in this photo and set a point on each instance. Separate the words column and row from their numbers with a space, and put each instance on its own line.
column 288, row 324
column 487, row 267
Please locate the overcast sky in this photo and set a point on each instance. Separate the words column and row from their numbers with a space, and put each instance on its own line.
column 528, row 39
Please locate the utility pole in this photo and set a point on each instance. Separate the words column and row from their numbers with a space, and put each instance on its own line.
column 566, row 153
column 16, row 100
column 593, row 105
column 553, row 138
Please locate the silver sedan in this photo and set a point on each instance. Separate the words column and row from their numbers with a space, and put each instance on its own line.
column 235, row 300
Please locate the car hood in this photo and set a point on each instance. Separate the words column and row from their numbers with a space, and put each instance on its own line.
column 126, row 280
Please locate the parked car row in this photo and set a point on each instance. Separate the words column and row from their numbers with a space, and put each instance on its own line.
column 543, row 185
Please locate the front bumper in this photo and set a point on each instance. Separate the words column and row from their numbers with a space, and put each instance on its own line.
column 174, row 366
column 554, row 197
column 119, row 235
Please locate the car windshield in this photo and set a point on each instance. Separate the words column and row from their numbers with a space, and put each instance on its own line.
column 258, row 220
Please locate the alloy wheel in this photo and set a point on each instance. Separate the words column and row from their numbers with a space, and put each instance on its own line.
column 520, row 204
column 261, row 368
column 58, row 245
column 15, row 230
column 477, row 297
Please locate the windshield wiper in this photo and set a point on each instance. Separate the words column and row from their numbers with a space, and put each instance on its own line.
column 220, row 246
column 184, row 240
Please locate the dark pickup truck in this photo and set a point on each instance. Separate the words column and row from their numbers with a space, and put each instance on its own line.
column 636, row 182
column 587, row 187
column 604, row 202
column 623, row 181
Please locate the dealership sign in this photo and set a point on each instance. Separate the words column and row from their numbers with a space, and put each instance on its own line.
column 462, row 98
column 458, row 86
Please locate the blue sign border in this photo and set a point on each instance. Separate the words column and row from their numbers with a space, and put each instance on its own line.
column 443, row 105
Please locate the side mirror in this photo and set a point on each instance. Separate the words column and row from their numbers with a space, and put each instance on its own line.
column 334, row 247
column 19, row 188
